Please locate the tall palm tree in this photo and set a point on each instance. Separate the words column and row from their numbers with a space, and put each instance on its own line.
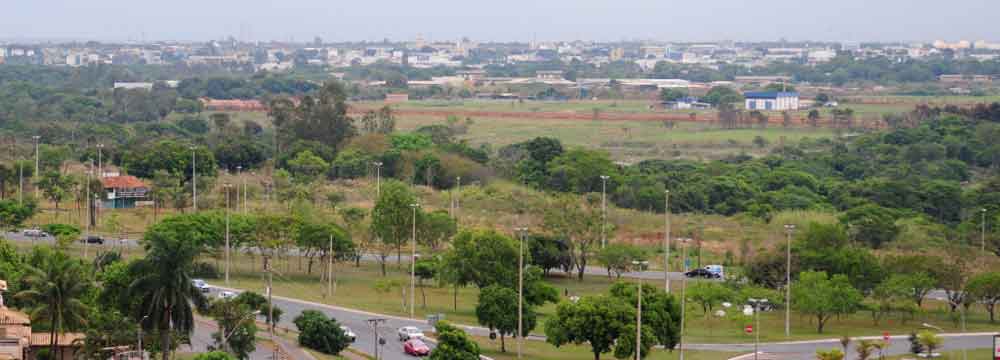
column 165, row 288
column 55, row 289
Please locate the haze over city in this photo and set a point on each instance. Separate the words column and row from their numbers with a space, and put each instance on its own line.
column 513, row 20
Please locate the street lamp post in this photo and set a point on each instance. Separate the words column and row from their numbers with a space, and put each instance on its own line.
column 638, row 317
column 756, row 303
column 604, row 210
column 239, row 175
column 413, row 258
column 522, row 232
column 666, row 242
column 680, row 342
column 458, row 196
column 245, row 193
column 100, row 161
column 378, row 178
column 374, row 324
column 36, row 138
column 194, row 180
column 227, row 186
column 86, row 240
column 982, row 236
column 789, row 228
column 142, row 354
column 225, row 339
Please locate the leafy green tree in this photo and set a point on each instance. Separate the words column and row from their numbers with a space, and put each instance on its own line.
column 821, row 297
column 315, row 240
column 813, row 117
column 13, row 214
column 672, row 94
column 708, row 294
column 214, row 355
column 930, row 341
column 887, row 296
column 453, row 344
column 321, row 117
column 306, row 167
column 549, row 253
column 392, row 219
column 718, row 95
column 832, row 354
column 235, row 320
column 618, row 258
column 56, row 186
column 107, row 329
column 871, row 224
column 436, row 228
column 579, row 171
column 578, row 221
column 318, row 332
column 660, row 311
column 425, row 269
column 55, row 294
column 597, row 320
column 165, row 289
column 497, row 310
column 985, row 288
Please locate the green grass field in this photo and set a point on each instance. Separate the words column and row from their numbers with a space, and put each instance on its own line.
column 545, row 351
column 355, row 289
column 975, row 354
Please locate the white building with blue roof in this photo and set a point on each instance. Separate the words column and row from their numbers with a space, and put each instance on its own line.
column 771, row 100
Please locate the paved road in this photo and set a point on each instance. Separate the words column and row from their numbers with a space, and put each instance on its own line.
column 357, row 321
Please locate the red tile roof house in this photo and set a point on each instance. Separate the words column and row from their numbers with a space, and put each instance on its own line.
column 122, row 192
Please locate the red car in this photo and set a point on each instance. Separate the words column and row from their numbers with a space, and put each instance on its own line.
column 416, row 347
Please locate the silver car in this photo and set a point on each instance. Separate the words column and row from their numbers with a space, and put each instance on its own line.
column 350, row 334
column 409, row 332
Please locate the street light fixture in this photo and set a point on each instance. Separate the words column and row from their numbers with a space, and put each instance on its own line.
column 227, row 186
column 756, row 303
column 378, row 178
column 374, row 323
column 100, row 161
column 983, row 233
column 666, row 242
column 789, row 228
column 522, row 232
column 194, row 179
column 684, row 242
column 36, row 138
column 413, row 258
column 638, row 318
column 239, row 175
column 604, row 210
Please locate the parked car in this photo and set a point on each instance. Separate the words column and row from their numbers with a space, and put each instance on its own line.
column 94, row 239
column 702, row 273
column 350, row 334
column 718, row 270
column 409, row 332
column 201, row 285
column 416, row 347
column 225, row 295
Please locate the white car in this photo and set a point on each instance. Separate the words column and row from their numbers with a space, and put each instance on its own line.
column 226, row 295
column 34, row 233
column 409, row 332
column 350, row 334
column 201, row 285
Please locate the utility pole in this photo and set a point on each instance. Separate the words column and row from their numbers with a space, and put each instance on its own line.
column 522, row 232
column 638, row 317
column 604, row 210
column 245, row 194
column 239, row 175
column 270, row 306
column 227, row 186
column 194, row 180
column 374, row 324
column 458, row 198
column 20, row 183
column 86, row 240
column 982, row 237
column 36, row 137
column 100, row 161
column 378, row 178
column 666, row 243
column 788, row 278
column 329, row 269
column 680, row 342
column 413, row 259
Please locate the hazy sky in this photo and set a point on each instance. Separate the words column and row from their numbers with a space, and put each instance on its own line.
column 336, row 20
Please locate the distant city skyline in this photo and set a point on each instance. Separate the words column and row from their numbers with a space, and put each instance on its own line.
column 511, row 20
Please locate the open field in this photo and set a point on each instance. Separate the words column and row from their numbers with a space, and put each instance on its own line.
column 545, row 351
column 952, row 355
column 356, row 289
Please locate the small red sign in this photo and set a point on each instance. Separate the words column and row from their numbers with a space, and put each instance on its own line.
column 749, row 329
column 885, row 336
